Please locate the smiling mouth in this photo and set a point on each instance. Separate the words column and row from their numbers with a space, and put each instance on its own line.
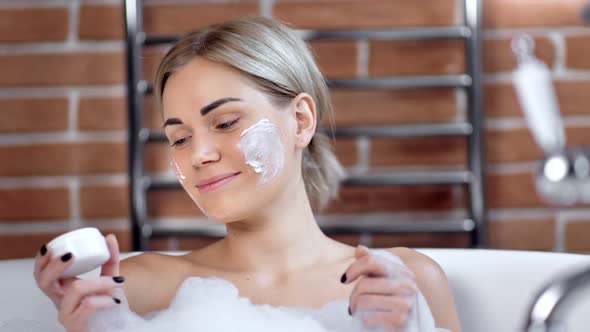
column 216, row 184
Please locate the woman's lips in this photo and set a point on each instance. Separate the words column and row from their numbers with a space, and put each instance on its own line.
column 210, row 186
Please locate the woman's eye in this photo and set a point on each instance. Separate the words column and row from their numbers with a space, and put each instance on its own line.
column 227, row 125
column 180, row 141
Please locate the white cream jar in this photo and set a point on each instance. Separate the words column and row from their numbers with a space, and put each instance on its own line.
column 87, row 246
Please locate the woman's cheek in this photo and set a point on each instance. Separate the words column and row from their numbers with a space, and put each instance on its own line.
column 263, row 150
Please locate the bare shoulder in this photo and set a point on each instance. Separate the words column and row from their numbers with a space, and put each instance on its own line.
column 434, row 285
column 141, row 272
column 419, row 263
column 143, row 261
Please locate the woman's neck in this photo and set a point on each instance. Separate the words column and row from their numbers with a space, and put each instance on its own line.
column 285, row 238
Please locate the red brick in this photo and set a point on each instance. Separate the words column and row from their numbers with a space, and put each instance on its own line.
column 357, row 14
column 578, row 136
column 167, row 19
column 89, row 158
column 526, row 234
column 358, row 107
column 54, row 69
column 26, row 25
column 63, row 159
column 157, row 157
column 107, row 21
column 151, row 58
column 416, row 57
column 28, row 204
column 102, row 113
column 577, row 234
column 501, row 101
column 394, row 198
column 336, row 59
column 519, row 145
column 421, row 240
column 33, row 114
column 498, row 55
column 153, row 116
column 423, row 151
column 573, row 97
column 512, row 191
column 110, row 113
column 104, row 201
column 13, row 246
column 578, row 48
column 511, row 146
column 500, row 14
column 346, row 151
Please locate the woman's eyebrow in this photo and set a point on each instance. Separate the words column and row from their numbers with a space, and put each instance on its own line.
column 204, row 111
column 217, row 103
column 172, row 121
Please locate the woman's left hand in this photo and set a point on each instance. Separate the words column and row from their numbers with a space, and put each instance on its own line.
column 385, row 291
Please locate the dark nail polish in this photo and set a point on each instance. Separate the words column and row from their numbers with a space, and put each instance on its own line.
column 66, row 257
column 119, row 279
column 349, row 312
column 343, row 278
column 43, row 250
column 117, row 301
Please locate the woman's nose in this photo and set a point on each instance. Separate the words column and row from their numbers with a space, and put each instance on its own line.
column 204, row 152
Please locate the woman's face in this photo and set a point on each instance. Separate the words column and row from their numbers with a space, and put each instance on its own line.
column 231, row 148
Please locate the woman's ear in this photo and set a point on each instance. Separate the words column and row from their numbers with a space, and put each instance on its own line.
column 306, row 118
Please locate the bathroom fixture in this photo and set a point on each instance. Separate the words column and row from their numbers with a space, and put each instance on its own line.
column 563, row 178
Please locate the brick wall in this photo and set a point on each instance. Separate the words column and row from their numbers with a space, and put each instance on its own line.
column 63, row 117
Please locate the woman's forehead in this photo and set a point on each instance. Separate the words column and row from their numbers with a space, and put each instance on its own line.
column 202, row 81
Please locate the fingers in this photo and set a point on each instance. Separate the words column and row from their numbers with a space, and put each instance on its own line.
column 384, row 286
column 366, row 265
column 374, row 266
column 93, row 303
column 49, row 272
column 361, row 251
column 111, row 267
column 78, row 320
column 385, row 296
column 80, row 289
column 384, row 303
column 389, row 320
column 41, row 261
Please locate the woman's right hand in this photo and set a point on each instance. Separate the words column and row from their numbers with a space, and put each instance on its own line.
column 78, row 299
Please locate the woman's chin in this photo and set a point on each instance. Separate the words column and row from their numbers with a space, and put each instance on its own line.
column 222, row 215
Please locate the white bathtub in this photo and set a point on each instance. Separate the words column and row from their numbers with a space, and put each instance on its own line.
column 493, row 288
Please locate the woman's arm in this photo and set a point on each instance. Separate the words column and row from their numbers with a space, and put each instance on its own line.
column 434, row 285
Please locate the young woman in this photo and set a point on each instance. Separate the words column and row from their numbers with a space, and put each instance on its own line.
column 242, row 104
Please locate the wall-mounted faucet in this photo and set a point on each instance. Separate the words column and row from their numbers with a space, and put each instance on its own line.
column 563, row 178
column 564, row 175
column 547, row 314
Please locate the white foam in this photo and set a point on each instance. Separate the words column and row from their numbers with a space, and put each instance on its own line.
column 214, row 305
column 206, row 304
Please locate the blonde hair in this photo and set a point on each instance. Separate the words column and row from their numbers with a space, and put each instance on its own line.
column 280, row 64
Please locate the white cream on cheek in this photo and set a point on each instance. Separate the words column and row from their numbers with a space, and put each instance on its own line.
column 177, row 170
column 263, row 149
column 181, row 177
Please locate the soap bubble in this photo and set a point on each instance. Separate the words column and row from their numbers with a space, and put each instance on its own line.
column 214, row 305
